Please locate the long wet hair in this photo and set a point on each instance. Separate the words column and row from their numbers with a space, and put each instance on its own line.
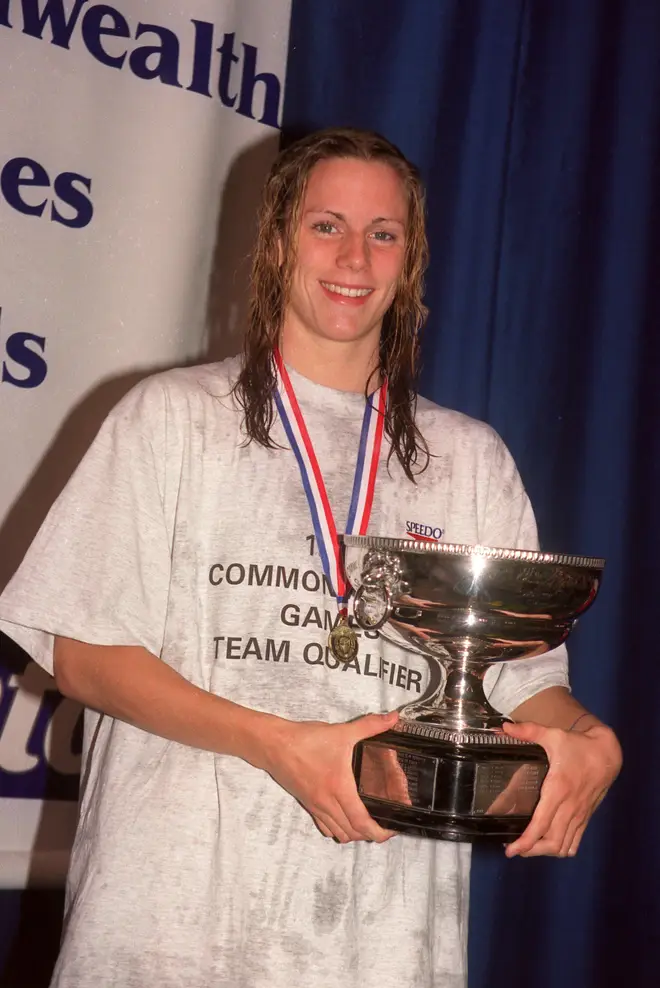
column 278, row 225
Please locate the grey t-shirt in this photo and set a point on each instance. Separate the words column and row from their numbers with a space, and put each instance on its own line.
column 196, row 869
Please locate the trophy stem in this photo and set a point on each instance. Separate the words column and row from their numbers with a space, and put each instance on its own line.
column 462, row 704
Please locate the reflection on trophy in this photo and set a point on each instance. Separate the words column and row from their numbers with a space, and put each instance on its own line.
column 447, row 770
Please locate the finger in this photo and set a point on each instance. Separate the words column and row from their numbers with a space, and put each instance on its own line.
column 371, row 724
column 330, row 828
column 365, row 827
column 575, row 831
column 349, row 819
column 559, row 838
column 385, row 834
column 322, row 827
column 536, row 829
column 554, row 843
column 526, row 731
column 344, row 830
column 569, row 837
column 577, row 837
column 576, row 841
column 599, row 799
column 355, row 818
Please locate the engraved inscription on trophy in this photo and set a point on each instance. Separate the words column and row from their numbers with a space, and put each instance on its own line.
column 506, row 788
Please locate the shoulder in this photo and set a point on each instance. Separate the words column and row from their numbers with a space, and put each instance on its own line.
column 180, row 393
column 445, row 426
column 466, row 448
column 183, row 384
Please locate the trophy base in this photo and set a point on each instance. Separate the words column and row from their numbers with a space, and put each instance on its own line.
column 424, row 780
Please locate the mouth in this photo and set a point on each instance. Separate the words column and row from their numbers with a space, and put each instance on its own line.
column 346, row 293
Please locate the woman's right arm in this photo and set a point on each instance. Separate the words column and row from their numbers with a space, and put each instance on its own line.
column 310, row 759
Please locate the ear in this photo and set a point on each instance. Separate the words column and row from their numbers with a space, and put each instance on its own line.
column 280, row 253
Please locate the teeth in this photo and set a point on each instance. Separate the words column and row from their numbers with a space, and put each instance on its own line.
column 348, row 292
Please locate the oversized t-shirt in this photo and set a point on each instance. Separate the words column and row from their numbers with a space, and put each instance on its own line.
column 197, row 869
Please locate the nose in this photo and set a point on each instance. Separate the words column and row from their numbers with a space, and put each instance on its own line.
column 353, row 253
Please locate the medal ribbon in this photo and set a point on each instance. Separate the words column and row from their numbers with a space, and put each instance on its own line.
column 364, row 481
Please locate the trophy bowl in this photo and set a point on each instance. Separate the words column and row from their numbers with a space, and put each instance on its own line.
column 447, row 770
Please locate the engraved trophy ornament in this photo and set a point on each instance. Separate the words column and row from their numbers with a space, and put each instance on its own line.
column 447, row 770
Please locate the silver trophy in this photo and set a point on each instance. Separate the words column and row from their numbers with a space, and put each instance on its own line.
column 447, row 770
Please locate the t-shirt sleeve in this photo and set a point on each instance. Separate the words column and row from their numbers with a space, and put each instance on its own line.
column 99, row 568
column 508, row 522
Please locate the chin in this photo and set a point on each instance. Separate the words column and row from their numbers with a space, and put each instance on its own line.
column 349, row 334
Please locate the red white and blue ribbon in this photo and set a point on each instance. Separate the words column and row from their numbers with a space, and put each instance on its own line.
column 364, row 482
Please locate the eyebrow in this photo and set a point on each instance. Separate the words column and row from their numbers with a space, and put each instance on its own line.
column 340, row 216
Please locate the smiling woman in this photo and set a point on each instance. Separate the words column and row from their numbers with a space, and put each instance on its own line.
column 221, row 723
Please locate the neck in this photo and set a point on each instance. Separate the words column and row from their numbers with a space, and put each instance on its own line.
column 344, row 366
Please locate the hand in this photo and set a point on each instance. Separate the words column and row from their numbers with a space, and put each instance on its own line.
column 583, row 765
column 313, row 761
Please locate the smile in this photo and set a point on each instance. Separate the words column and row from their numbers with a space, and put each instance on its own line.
column 347, row 292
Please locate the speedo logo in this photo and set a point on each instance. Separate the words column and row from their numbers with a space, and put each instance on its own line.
column 423, row 533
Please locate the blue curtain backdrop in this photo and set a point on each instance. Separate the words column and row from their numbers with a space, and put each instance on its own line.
column 536, row 126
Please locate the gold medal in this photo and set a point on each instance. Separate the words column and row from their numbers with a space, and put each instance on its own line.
column 343, row 641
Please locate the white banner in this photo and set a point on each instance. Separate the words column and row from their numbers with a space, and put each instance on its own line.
column 134, row 139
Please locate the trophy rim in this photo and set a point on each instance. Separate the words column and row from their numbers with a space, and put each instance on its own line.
column 458, row 549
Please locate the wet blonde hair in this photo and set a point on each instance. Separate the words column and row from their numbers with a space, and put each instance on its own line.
column 273, row 263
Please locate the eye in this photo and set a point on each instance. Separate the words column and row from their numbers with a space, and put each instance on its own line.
column 324, row 227
column 384, row 236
